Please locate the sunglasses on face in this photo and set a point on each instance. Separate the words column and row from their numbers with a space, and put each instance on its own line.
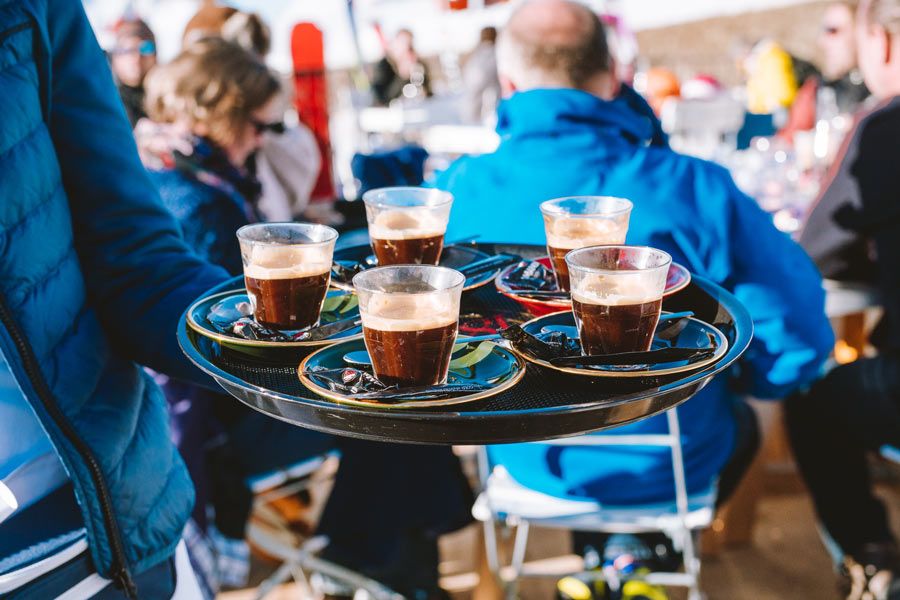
column 145, row 48
column 261, row 127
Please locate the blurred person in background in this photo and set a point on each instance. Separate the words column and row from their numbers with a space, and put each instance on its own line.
column 210, row 108
column 839, row 88
column 771, row 82
column 401, row 73
column 840, row 72
column 207, row 21
column 662, row 84
column 853, row 233
column 131, row 58
column 288, row 161
column 564, row 132
column 480, row 79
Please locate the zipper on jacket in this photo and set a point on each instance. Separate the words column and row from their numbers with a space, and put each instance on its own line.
column 120, row 573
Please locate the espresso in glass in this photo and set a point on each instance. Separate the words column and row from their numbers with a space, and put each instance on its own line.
column 410, row 318
column 287, row 269
column 617, row 296
column 407, row 236
column 407, row 224
column 581, row 221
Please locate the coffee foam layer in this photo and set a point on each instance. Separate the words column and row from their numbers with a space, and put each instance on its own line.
column 407, row 223
column 615, row 291
column 287, row 262
column 568, row 233
column 409, row 312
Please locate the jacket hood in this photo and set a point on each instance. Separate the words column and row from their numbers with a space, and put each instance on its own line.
column 544, row 112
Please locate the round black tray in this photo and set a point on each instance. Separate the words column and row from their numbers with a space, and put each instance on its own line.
column 544, row 405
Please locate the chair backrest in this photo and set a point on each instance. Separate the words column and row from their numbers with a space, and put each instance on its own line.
column 401, row 167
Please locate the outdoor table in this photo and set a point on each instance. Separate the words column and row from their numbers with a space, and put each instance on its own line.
column 546, row 404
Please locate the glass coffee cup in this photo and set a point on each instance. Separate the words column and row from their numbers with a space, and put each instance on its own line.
column 287, row 269
column 410, row 318
column 407, row 224
column 617, row 296
column 582, row 221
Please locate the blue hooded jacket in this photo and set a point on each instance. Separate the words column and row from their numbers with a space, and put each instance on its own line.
column 564, row 142
column 93, row 278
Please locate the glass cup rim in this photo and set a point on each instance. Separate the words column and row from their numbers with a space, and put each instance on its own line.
column 243, row 232
column 551, row 208
column 667, row 259
column 459, row 279
column 444, row 196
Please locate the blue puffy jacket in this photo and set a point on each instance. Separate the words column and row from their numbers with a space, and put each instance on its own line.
column 562, row 142
column 93, row 279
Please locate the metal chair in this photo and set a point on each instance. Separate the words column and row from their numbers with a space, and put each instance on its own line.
column 271, row 534
column 510, row 503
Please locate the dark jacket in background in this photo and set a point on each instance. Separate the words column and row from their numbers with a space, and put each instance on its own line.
column 853, row 231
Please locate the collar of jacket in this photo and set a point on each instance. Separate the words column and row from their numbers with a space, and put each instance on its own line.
column 560, row 111
column 209, row 164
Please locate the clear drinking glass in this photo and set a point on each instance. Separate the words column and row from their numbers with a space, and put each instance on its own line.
column 581, row 221
column 287, row 269
column 407, row 224
column 410, row 317
column 617, row 296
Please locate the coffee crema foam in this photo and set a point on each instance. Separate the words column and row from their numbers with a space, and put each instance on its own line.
column 407, row 223
column 597, row 289
column 287, row 262
column 409, row 312
column 572, row 233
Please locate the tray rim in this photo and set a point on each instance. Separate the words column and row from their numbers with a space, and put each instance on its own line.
column 708, row 287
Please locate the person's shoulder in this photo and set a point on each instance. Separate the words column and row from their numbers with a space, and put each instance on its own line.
column 882, row 123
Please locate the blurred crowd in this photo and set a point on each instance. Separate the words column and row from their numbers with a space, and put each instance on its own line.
column 220, row 143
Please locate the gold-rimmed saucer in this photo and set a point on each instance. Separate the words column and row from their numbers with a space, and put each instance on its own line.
column 695, row 334
column 482, row 362
column 338, row 305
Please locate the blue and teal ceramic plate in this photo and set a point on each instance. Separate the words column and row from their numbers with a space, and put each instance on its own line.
column 688, row 333
column 338, row 305
column 480, row 363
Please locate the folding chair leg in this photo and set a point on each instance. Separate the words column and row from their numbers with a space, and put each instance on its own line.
column 282, row 574
column 491, row 549
column 518, row 559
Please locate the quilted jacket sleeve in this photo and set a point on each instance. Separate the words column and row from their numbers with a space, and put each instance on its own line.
column 139, row 273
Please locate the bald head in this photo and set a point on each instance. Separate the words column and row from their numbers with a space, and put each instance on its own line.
column 553, row 43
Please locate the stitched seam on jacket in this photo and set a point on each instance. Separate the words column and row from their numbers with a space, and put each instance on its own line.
column 155, row 504
column 31, row 212
column 32, row 289
column 116, row 468
column 19, row 142
column 22, row 61
column 66, row 333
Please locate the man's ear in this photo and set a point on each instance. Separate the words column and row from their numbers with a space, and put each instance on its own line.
column 887, row 39
column 507, row 87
